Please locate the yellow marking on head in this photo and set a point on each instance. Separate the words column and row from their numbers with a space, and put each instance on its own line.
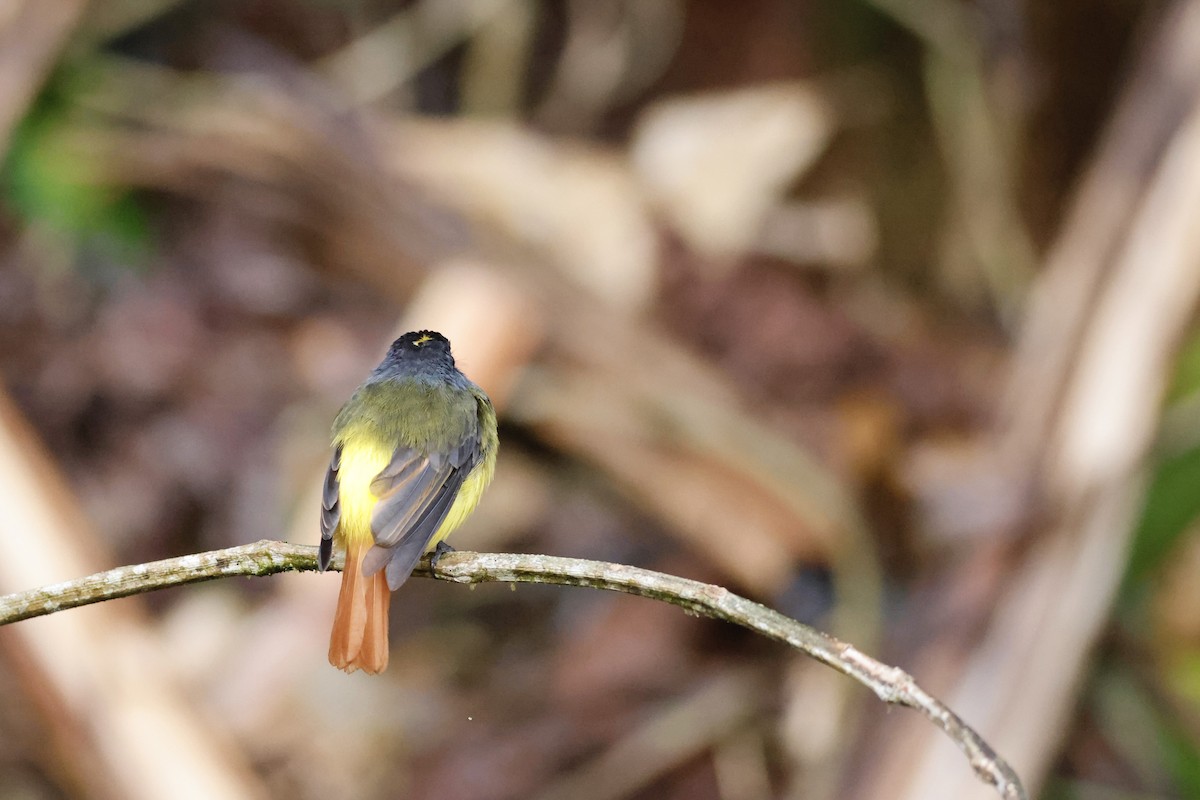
column 425, row 337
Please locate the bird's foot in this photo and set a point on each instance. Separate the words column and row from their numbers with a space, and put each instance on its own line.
column 440, row 550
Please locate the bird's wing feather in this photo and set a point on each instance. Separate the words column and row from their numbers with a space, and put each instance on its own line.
column 330, row 510
column 416, row 491
column 406, row 489
column 407, row 552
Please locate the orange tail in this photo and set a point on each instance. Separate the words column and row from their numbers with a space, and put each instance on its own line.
column 360, row 624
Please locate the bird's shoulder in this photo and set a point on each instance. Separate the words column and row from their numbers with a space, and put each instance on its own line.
column 421, row 414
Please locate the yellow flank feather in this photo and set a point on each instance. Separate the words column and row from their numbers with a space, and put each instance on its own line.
column 467, row 500
column 361, row 462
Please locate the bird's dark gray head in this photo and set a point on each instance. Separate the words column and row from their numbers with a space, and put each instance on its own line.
column 419, row 353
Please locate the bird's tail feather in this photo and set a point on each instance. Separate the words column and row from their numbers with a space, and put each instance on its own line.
column 360, row 624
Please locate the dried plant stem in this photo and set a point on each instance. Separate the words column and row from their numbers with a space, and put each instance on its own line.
column 267, row 557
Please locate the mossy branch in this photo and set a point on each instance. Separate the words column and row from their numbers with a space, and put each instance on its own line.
column 266, row 557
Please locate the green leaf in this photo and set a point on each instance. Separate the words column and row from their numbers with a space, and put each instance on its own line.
column 1172, row 504
column 50, row 176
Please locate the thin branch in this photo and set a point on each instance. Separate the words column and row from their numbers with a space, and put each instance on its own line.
column 267, row 557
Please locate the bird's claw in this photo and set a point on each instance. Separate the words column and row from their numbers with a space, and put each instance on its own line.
column 440, row 550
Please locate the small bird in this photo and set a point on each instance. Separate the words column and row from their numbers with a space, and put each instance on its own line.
column 413, row 450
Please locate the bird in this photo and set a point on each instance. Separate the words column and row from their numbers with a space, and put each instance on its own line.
column 413, row 450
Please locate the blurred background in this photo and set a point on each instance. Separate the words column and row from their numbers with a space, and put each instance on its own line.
column 879, row 312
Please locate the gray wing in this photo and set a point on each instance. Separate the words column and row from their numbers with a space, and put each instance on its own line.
column 331, row 510
column 415, row 491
